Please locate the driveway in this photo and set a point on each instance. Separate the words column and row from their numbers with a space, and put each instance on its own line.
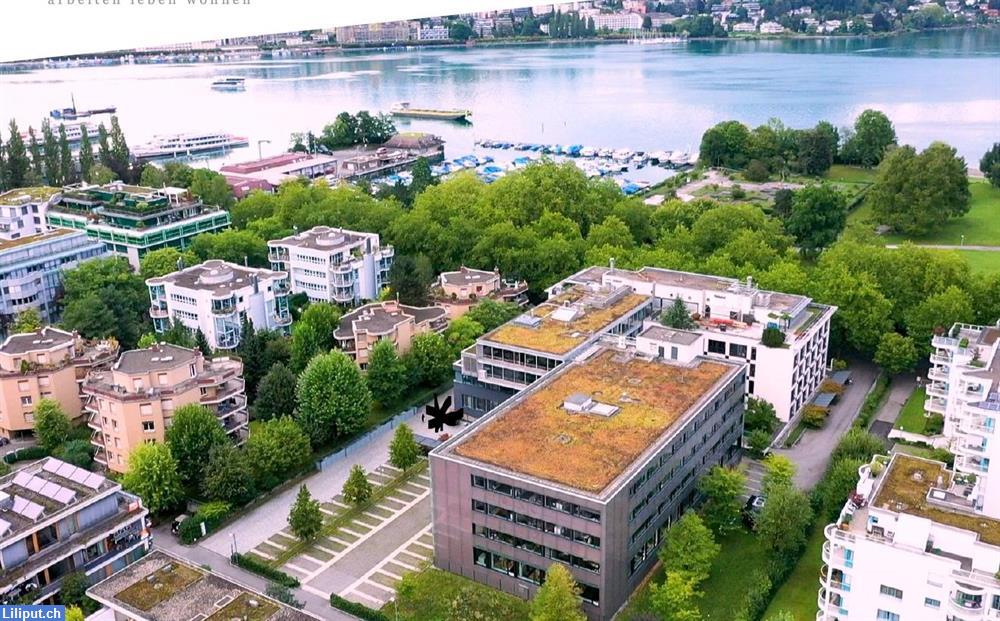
column 811, row 454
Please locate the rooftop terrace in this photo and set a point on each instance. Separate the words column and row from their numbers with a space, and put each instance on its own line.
column 38, row 193
column 586, row 424
column 569, row 319
column 33, row 239
column 906, row 488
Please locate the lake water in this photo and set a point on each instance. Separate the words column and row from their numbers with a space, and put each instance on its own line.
column 934, row 86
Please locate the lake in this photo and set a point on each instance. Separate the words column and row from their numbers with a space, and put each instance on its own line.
column 934, row 86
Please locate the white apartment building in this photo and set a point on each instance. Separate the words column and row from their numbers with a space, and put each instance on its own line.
column 732, row 316
column 910, row 546
column 215, row 297
column 333, row 265
column 618, row 21
column 22, row 211
column 964, row 387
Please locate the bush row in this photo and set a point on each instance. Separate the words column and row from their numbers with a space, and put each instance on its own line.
column 26, row 453
column 358, row 610
column 211, row 514
column 872, row 402
column 260, row 568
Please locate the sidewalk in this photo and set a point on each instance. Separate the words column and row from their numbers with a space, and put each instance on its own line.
column 900, row 389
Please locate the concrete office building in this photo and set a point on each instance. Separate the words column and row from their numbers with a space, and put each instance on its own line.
column 47, row 364
column 332, row 264
column 57, row 519
column 133, row 402
column 585, row 468
column 511, row 357
column 216, row 297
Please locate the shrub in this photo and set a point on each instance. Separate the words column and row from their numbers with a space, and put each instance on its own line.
column 934, row 425
column 772, row 337
column 873, row 401
column 756, row 598
column 756, row 171
column 26, row 453
column 211, row 514
column 814, row 416
column 757, row 441
column 358, row 610
column 737, row 193
column 260, row 568
column 838, row 364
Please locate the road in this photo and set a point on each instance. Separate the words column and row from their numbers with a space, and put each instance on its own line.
column 812, row 453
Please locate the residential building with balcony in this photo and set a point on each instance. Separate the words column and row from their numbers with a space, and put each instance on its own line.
column 910, row 544
column 732, row 315
column 31, row 271
column 164, row 587
column 47, row 364
column 511, row 357
column 133, row 220
column 460, row 290
column 332, row 264
column 964, row 387
column 586, row 467
column 22, row 211
column 57, row 519
column 133, row 402
column 360, row 329
column 216, row 297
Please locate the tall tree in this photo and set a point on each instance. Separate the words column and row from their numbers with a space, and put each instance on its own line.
column 558, row 599
column 723, row 490
column 18, row 165
column 689, row 548
column 312, row 334
column 989, row 165
column 386, row 374
column 675, row 599
column 779, row 471
column 896, row 353
column 819, row 213
column 51, row 155
column 86, row 154
column 37, row 176
column 429, row 359
column 783, row 523
column 251, row 351
column 163, row 261
column 403, row 449
column 227, row 475
column 52, row 426
column 357, row 488
column 101, row 288
column 305, row 517
column 276, row 450
column 491, row 314
column 333, row 399
column 275, row 394
column 28, row 320
column 152, row 474
column 67, row 169
column 211, row 188
column 461, row 333
column 872, row 137
column 104, row 155
column 677, row 316
column 410, row 279
column 936, row 314
column 192, row 434
column 121, row 157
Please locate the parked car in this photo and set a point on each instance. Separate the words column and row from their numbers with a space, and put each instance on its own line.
column 751, row 511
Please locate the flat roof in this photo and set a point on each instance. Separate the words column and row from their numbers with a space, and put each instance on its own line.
column 568, row 319
column 37, row 193
column 42, row 340
column 163, row 587
column 216, row 276
column 671, row 335
column 325, row 238
column 159, row 357
column 634, row 402
column 39, row 237
column 467, row 275
column 382, row 317
column 905, row 487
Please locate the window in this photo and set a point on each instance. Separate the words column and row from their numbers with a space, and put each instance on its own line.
column 740, row 351
column 996, row 602
column 25, row 401
column 891, row 591
column 148, row 426
column 23, row 386
column 885, row 615
column 935, row 603
column 716, row 347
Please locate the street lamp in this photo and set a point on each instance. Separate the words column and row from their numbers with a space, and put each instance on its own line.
column 260, row 142
column 963, row 240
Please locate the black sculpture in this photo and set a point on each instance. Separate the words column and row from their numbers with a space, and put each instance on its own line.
column 440, row 416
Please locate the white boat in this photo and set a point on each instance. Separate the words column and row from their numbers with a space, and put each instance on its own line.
column 73, row 133
column 622, row 155
column 229, row 84
column 187, row 144
column 604, row 153
column 588, row 152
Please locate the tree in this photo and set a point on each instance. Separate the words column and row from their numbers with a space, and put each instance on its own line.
column 783, row 523
column 86, row 155
column 782, row 615
column 18, row 165
column 422, row 177
column 100, row 289
column 675, row 599
column 410, row 279
column 52, row 426
column 276, row 450
column 989, row 165
column 689, row 548
column 152, row 474
column 936, row 314
column 227, row 475
column 819, row 213
column 757, row 441
column 460, row 31
column 163, row 261
column 723, row 489
column 558, row 599
column 840, row 480
column 386, row 374
column 873, row 135
column 461, row 333
column 677, row 316
column 74, row 613
column 37, row 174
column 429, row 359
column 153, row 176
column 864, row 313
column 201, row 342
column 101, row 174
column 896, row 353
column 50, row 155
column 357, row 488
column 251, row 351
column 783, row 200
column 817, row 148
column 916, row 194
column 192, row 435
column 725, row 144
column 80, row 453
column 275, row 394
column 120, row 158
column 760, row 414
column 28, row 320
column 233, row 246
column 312, row 334
column 73, row 590
column 212, row 188
column 857, row 444
column 756, row 171
column 403, row 450
column 90, row 316
column 305, row 517
column 67, row 170
column 611, row 232
column 779, row 471
column 333, row 398
column 491, row 314
column 772, row 337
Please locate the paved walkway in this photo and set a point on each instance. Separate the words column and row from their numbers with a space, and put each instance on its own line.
column 713, row 177
column 947, row 247
column 812, row 452
column 900, row 389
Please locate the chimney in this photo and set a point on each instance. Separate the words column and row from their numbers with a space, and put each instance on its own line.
column 611, row 262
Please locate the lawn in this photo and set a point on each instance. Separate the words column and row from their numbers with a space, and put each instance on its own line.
column 983, row 261
column 724, row 589
column 798, row 594
column 981, row 226
column 911, row 418
column 839, row 173
column 434, row 594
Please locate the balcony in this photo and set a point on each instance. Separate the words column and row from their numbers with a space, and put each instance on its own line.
column 223, row 309
column 938, row 373
column 941, row 358
column 937, row 389
column 936, row 405
column 283, row 319
column 158, row 312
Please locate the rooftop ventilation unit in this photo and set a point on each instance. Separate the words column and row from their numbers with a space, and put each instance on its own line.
column 527, row 320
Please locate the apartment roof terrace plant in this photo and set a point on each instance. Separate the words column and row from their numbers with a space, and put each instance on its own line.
column 906, row 487
column 159, row 586
column 568, row 319
column 37, row 193
column 589, row 422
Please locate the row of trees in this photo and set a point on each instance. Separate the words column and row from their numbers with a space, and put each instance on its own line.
column 48, row 160
column 347, row 130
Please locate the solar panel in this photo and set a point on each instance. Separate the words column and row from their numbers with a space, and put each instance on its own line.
column 94, row 481
column 65, row 496
column 78, row 475
column 28, row 509
column 65, row 469
column 35, row 484
column 22, row 478
column 52, row 465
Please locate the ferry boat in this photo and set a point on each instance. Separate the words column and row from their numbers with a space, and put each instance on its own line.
column 404, row 109
column 71, row 113
column 187, row 144
column 229, row 84
column 74, row 133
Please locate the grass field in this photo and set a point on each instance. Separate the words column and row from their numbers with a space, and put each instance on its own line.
column 798, row 594
column 983, row 261
column 911, row 418
column 849, row 174
column 724, row 589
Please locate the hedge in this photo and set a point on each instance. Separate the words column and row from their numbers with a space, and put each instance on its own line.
column 261, row 568
column 873, row 401
column 26, row 453
column 358, row 610
column 211, row 514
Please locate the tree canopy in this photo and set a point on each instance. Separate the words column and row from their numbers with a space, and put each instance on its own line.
column 333, row 398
